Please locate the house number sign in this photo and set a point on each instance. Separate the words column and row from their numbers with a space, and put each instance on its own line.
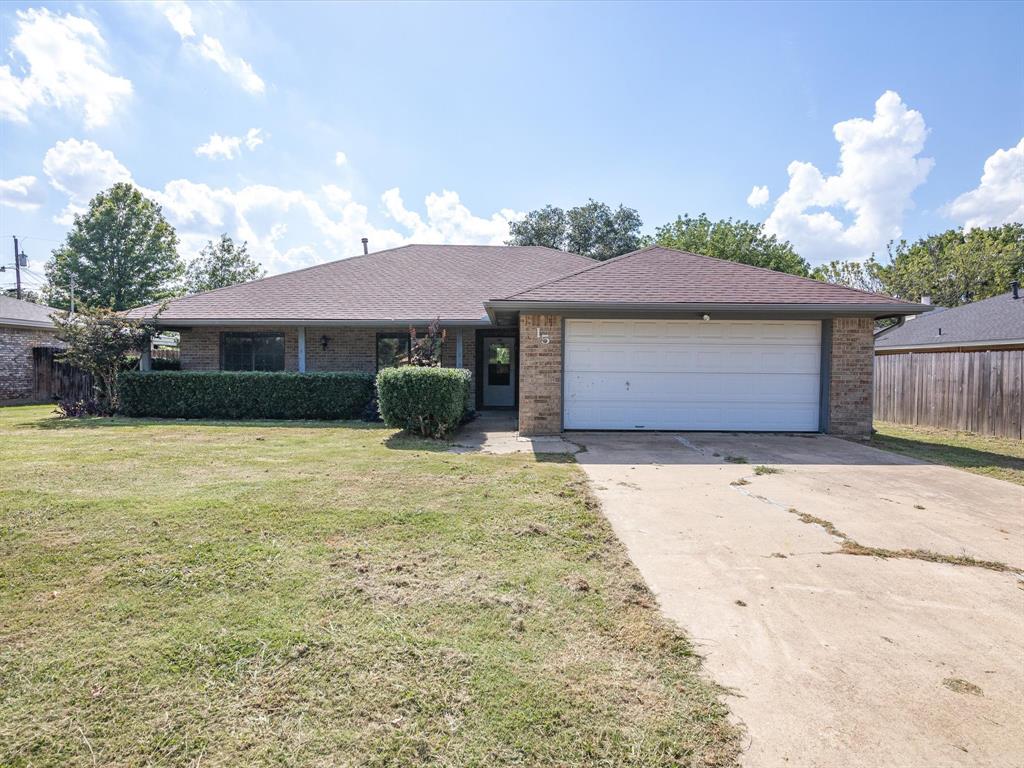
column 544, row 338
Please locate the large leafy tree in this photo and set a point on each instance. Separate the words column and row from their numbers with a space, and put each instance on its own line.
column 742, row 241
column 956, row 267
column 221, row 264
column 120, row 253
column 864, row 275
column 594, row 229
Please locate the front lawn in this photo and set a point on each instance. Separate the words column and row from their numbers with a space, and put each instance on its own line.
column 304, row 593
column 997, row 457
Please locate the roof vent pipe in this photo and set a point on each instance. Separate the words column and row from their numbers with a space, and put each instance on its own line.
column 366, row 245
column 1015, row 287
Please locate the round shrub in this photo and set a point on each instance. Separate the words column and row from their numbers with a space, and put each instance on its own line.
column 426, row 401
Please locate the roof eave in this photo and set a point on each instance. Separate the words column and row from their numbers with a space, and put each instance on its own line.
column 633, row 308
column 34, row 324
column 399, row 322
column 985, row 344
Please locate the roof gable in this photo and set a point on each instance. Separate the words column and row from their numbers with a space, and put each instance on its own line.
column 659, row 275
column 999, row 319
column 413, row 282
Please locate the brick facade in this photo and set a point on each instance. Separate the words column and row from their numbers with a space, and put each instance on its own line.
column 17, row 370
column 852, row 368
column 347, row 349
column 540, row 374
column 200, row 347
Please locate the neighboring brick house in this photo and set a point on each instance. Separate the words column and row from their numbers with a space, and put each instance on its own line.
column 655, row 339
column 23, row 326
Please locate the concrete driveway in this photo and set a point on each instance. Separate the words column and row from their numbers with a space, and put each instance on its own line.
column 832, row 659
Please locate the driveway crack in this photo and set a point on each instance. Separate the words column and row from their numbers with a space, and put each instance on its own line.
column 850, row 546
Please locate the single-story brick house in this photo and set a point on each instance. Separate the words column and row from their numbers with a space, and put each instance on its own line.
column 654, row 339
column 23, row 326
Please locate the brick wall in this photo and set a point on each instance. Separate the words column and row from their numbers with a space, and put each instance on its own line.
column 540, row 375
column 200, row 347
column 850, row 385
column 17, row 372
column 348, row 349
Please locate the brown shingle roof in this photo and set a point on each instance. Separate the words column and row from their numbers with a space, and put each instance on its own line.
column 25, row 314
column 414, row 282
column 658, row 275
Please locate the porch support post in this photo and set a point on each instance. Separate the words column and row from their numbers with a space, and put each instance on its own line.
column 458, row 348
column 302, row 349
column 146, row 356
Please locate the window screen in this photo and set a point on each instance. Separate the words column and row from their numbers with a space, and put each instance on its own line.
column 392, row 350
column 253, row 352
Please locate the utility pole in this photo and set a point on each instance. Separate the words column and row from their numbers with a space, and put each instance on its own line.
column 72, row 294
column 17, row 268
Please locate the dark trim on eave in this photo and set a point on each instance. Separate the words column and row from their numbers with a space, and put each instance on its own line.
column 593, row 309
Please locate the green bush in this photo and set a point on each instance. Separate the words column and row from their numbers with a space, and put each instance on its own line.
column 428, row 401
column 244, row 395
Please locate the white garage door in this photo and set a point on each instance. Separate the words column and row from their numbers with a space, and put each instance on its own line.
column 692, row 374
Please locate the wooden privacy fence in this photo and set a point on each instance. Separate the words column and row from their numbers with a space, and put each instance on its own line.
column 58, row 381
column 979, row 391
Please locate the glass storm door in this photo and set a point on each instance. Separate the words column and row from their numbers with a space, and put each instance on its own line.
column 499, row 372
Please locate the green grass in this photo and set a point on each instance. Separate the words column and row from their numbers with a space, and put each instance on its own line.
column 998, row 457
column 315, row 594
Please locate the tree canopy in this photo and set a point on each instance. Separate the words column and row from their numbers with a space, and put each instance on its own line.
column 121, row 253
column 221, row 264
column 742, row 241
column 594, row 229
column 953, row 268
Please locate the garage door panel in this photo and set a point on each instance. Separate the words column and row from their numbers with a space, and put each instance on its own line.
column 639, row 387
column 685, row 374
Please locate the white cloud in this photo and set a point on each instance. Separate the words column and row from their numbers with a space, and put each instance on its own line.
column 229, row 147
column 285, row 228
column 448, row 220
column 65, row 67
column 879, row 169
column 758, row 196
column 234, row 66
column 21, row 192
column 80, row 169
column 179, row 16
column 253, row 138
column 999, row 197
column 340, row 158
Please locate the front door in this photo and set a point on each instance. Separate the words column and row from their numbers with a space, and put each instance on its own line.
column 499, row 371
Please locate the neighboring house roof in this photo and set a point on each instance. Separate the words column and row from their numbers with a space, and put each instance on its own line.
column 668, row 278
column 25, row 314
column 410, row 283
column 997, row 320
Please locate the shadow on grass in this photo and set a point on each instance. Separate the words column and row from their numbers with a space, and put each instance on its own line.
column 403, row 441
column 107, row 422
column 944, row 453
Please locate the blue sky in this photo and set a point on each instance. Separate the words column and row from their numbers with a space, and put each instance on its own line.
column 454, row 118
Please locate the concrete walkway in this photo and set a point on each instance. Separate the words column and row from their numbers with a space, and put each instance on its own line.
column 496, row 432
column 833, row 659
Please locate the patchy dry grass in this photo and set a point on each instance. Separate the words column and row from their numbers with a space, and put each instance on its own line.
column 761, row 469
column 323, row 594
column 997, row 457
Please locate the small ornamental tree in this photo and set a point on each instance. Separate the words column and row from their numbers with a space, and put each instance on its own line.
column 100, row 341
column 426, row 351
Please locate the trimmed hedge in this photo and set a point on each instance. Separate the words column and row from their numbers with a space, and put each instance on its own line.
column 427, row 401
column 245, row 395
